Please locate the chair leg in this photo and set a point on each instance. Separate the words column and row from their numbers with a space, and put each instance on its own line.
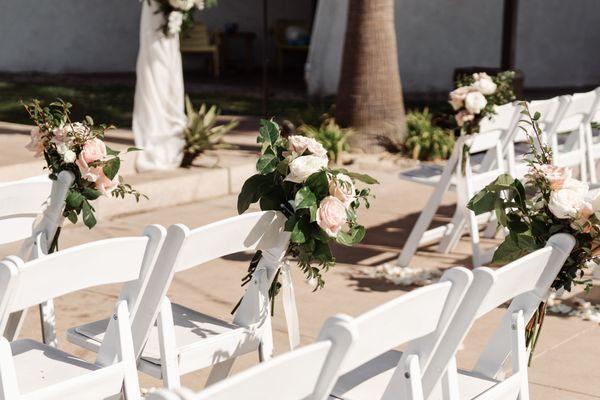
column 168, row 347
column 220, row 371
column 14, row 324
column 265, row 348
column 582, row 154
column 589, row 145
column 519, row 353
column 451, row 238
column 48, row 323
column 449, row 382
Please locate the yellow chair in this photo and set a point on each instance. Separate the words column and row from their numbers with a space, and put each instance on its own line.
column 198, row 41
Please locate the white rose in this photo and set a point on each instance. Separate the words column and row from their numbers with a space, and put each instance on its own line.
column 182, row 4
column 576, row 185
column 200, row 4
column 62, row 148
column 174, row 22
column 303, row 167
column 566, row 203
column 457, row 97
column 475, row 102
column 484, row 83
column 69, row 156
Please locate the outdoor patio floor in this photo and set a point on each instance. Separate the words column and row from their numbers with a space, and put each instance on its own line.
column 564, row 366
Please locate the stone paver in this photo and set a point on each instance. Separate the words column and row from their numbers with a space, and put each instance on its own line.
column 564, row 367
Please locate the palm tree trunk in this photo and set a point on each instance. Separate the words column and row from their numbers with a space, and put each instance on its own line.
column 370, row 94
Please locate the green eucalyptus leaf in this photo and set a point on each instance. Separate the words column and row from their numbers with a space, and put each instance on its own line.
column 111, row 168
column 305, row 198
column 88, row 215
column 298, row 235
column 90, row 194
column 268, row 132
column 267, row 163
column 252, row 190
column 74, row 200
column 484, row 201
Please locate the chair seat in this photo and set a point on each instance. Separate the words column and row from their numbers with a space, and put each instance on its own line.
column 198, row 338
column 370, row 380
column 38, row 366
column 430, row 174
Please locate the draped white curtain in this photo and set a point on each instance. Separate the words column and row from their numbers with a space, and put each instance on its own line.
column 158, row 111
column 323, row 65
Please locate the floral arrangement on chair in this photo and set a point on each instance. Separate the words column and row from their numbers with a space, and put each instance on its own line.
column 77, row 147
column 320, row 203
column 179, row 14
column 475, row 96
column 550, row 201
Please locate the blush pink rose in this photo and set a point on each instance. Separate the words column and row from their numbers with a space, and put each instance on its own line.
column 35, row 142
column 556, row 176
column 457, row 97
column 463, row 116
column 331, row 215
column 342, row 188
column 93, row 150
column 299, row 144
column 105, row 185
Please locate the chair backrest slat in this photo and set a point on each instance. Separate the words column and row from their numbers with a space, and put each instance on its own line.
column 252, row 231
column 514, row 279
column 305, row 373
column 526, row 280
column 184, row 249
column 20, row 204
column 411, row 316
column 579, row 111
column 92, row 264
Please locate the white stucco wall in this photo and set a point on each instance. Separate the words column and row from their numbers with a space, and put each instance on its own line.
column 558, row 40
column 68, row 35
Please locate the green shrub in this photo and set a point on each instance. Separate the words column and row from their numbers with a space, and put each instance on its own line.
column 331, row 136
column 202, row 132
column 426, row 141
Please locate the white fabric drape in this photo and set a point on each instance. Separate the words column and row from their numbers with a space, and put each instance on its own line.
column 323, row 65
column 158, row 111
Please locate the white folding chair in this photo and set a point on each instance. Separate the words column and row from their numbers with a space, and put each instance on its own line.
column 466, row 178
column 32, row 370
column 592, row 146
column 562, row 123
column 185, row 340
column 31, row 211
column 373, row 369
column 305, row 373
column 526, row 282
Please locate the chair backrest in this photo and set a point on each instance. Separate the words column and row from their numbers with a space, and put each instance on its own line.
column 20, row 204
column 304, row 373
column 500, row 127
column 580, row 110
column 525, row 281
column 502, row 120
column 197, row 38
column 97, row 263
column 31, row 206
column 420, row 317
column 184, row 249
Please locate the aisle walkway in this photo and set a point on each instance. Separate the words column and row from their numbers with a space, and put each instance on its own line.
column 566, row 358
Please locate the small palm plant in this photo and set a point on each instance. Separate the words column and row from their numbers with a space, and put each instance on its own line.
column 425, row 140
column 333, row 137
column 202, row 132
